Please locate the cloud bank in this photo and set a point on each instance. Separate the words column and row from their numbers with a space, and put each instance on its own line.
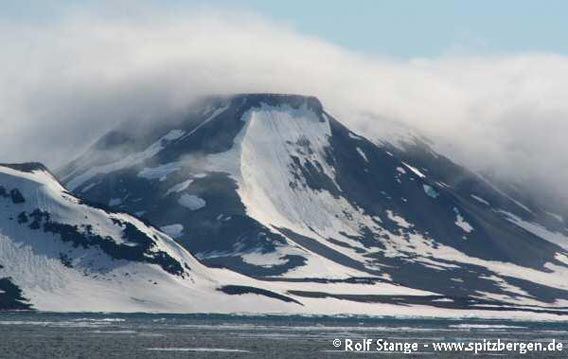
column 65, row 83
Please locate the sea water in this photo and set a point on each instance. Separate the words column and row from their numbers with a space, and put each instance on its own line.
column 51, row 335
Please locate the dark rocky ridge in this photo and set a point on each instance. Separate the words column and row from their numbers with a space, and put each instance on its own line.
column 11, row 296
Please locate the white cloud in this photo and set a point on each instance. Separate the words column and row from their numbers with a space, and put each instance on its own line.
column 65, row 83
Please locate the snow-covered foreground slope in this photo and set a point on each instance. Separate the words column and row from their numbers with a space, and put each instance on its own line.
column 272, row 186
column 64, row 255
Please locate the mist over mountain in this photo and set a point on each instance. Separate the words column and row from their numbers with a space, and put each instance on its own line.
column 68, row 81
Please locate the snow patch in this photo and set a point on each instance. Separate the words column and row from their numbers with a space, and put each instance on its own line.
column 352, row 135
column 398, row 219
column 538, row 230
column 430, row 191
column 263, row 259
column 556, row 216
column 461, row 222
column 180, row 187
column 191, row 202
column 479, row 199
column 173, row 135
column 362, row 154
column 160, row 172
column 173, row 230
column 415, row 170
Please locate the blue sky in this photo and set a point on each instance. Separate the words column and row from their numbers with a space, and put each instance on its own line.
column 402, row 28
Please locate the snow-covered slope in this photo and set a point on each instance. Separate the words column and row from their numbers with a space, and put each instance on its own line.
column 60, row 254
column 272, row 186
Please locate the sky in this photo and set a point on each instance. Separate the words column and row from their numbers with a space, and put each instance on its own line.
column 486, row 81
column 402, row 28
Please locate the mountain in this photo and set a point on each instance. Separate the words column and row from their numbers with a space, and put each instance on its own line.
column 274, row 188
column 58, row 253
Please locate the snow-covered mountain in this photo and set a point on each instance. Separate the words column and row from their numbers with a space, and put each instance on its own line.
column 58, row 253
column 274, row 188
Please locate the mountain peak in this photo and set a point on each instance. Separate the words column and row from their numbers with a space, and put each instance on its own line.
column 276, row 99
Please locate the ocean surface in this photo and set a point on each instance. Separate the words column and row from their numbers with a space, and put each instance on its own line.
column 50, row 335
